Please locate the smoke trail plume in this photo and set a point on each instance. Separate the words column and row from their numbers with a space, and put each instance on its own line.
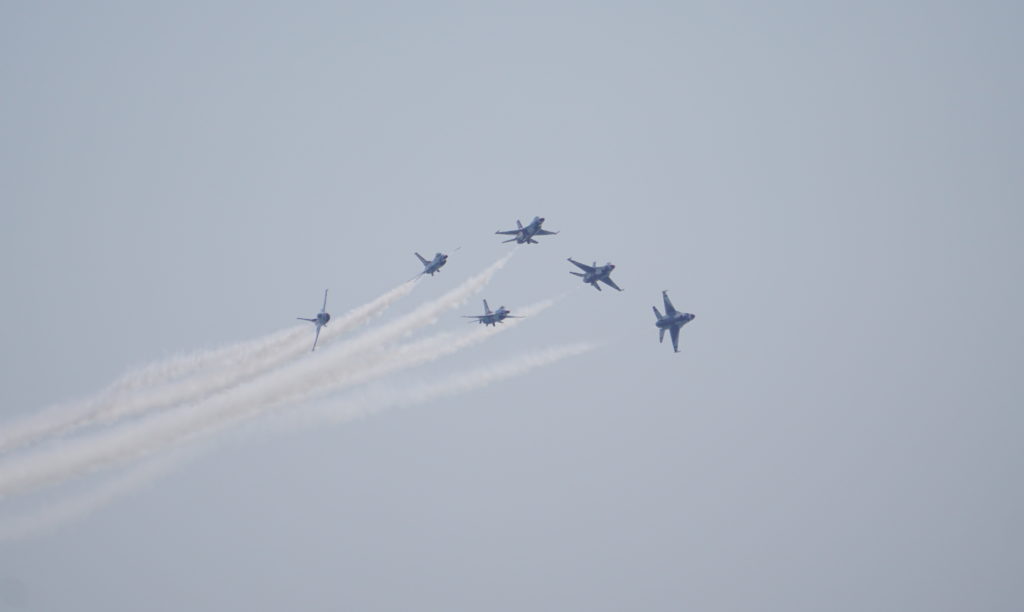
column 79, row 506
column 167, row 383
column 278, row 386
column 429, row 349
column 338, row 411
column 375, row 400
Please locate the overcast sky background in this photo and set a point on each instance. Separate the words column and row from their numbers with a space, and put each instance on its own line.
column 835, row 192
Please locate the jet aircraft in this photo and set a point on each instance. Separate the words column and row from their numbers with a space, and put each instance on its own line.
column 525, row 235
column 592, row 274
column 321, row 319
column 432, row 265
column 490, row 318
column 673, row 321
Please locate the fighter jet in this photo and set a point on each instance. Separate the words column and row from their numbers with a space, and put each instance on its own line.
column 592, row 274
column 433, row 265
column 524, row 235
column 490, row 318
column 672, row 321
column 321, row 319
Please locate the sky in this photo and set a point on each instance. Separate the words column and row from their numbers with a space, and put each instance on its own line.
column 833, row 190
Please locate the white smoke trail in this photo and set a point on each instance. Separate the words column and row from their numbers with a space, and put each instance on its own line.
column 165, row 383
column 339, row 411
column 375, row 400
column 285, row 384
column 257, row 358
column 80, row 506
column 416, row 353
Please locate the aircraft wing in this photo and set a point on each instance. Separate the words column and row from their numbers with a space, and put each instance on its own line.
column 543, row 232
column 675, row 338
column 316, row 338
column 669, row 308
column 608, row 281
column 507, row 233
column 583, row 267
column 305, row 319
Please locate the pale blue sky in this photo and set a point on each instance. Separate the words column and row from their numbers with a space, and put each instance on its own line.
column 834, row 191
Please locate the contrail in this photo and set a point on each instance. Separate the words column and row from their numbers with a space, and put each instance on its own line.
column 165, row 383
column 254, row 360
column 278, row 386
column 375, row 400
column 346, row 409
column 79, row 506
column 417, row 353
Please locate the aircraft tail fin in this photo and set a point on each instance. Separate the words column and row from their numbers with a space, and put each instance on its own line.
column 519, row 224
column 656, row 313
column 422, row 259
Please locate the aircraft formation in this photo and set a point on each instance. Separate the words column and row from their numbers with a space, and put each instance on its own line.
column 672, row 321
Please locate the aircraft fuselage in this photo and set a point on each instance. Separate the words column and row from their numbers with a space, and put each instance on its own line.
column 677, row 320
column 433, row 265
column 598, row 274
column 526, row 234
column 495, row 317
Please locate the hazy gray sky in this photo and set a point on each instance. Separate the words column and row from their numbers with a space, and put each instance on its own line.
column 835, row 191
